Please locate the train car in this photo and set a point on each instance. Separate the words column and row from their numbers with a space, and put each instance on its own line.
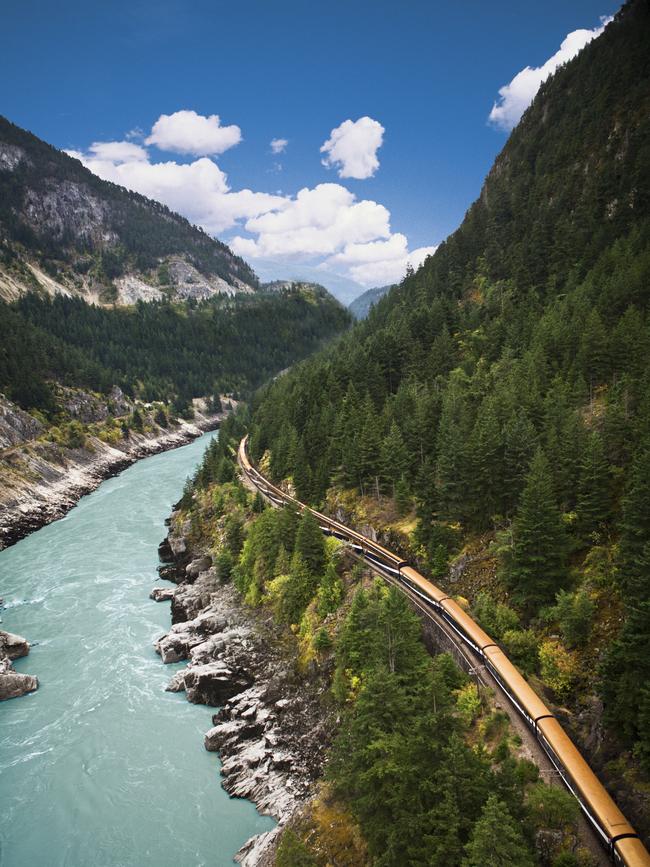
column 520, row 693
column 603, row 814
column 631, row 852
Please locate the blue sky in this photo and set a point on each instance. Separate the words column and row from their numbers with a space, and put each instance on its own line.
column 424, row 75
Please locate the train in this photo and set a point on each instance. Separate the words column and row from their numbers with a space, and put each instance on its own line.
column 612, row 829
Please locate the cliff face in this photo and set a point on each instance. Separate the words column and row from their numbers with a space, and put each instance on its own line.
column 62, row 229
column 44, row 474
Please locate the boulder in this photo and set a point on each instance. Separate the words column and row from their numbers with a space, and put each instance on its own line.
column 13, row 646
column 177, row 683
column 161, row 594
column 190, row 599
column 214, row 683
column 12, row 683
column 196, row 566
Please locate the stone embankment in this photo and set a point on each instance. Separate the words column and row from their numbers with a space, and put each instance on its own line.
column 41, row 481
column 273, row 726
column 12, row 683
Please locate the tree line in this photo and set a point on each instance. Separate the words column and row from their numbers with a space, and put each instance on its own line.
column 159, row 350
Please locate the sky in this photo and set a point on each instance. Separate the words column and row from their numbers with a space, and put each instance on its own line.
column 332, row 141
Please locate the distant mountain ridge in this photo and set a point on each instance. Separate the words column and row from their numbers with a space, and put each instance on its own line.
column 360, row 307
column 64, row 230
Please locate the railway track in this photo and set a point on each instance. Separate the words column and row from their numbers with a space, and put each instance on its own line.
column 478, row 653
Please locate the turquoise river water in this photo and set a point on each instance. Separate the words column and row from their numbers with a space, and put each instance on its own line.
column 101, row 767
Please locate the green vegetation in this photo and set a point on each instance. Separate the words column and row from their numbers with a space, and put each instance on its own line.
column 422, row 770
column 159, row 350
column 503, row 388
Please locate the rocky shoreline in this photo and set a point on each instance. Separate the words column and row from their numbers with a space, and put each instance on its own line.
column 274, row 724
column 13, row 684
column 51, row 481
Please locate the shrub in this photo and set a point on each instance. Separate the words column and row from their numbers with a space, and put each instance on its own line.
column 224, row 564
column 523, row 649
column 495, row 617
column 468, row 703
column 293, row 852
column 558, row 667
column 322, row 641
column 552, row 807
column 574, row 612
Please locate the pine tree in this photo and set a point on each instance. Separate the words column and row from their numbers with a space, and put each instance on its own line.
column 298, row 591
column 394, row 458
column 330, row 591
column 369, row 447
column 453, row 464
column 486, row 456
column 519, row 447
column 593, row 504
column 538, row 568
column 593, row 350
column 497, row 840
column 310, row 544
column 635, row 524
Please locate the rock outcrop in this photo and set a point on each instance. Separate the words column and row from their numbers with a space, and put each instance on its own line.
column 272, row 727
column 13, row 684
column 13, row 646
column 66, row 231
column 41, row 481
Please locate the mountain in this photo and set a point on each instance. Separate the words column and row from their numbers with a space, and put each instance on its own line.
column 342, row 288
column 64, row 230
column 360, row 307
column 492, row 412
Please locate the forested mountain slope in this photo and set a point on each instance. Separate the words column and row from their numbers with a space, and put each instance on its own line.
column 63, row 229
column 501, row 393
column 160, row 350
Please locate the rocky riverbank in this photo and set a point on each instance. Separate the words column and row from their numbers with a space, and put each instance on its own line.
column 13, row 684
column 40, row 481
column 274, row 722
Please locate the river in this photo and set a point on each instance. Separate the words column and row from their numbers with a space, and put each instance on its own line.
column 100, row 767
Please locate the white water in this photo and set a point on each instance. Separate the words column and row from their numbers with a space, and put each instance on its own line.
column 101, row 767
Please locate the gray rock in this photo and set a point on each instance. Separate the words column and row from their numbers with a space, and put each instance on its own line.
column 162, row 594
column 213, row 683
column 13, row 646
column 196, row 566
column 16, row 425
column 13, row 684
column 177, row 683
column 190, row 599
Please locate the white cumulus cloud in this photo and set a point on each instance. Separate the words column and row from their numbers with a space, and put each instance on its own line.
column 327, row 227
column 515, row 97
column 352, row 148
column 379, row 263
column 317, row 222
column 279, row 145
column 199, row 190
column 323, row 227
column 186, row 132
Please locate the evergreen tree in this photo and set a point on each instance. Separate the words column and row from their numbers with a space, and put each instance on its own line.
column 635, row 524
column 486, row 457
column 310, row 544
column 330, row 591
column 519, row 447
column 453, row 460
column 299, row 590
column 497, row 840
column 593, row 504
column 538, row 569
column 394, row 458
